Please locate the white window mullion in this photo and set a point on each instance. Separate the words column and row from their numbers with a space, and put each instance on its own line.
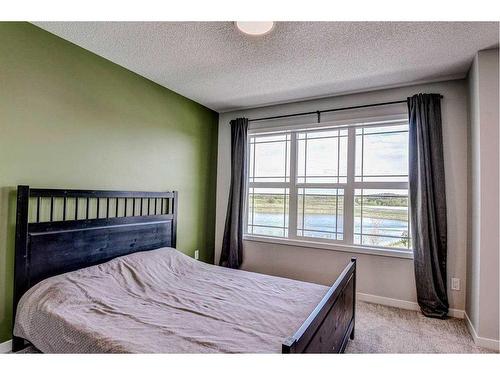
column 349, row 189
column 269, row 185
column 247, row 188
column 292, row 216
column 321, row 186
column 380, row 185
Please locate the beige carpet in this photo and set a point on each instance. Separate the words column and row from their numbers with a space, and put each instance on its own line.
column 382, row 329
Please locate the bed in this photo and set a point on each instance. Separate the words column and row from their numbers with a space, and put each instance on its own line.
column 98, row 272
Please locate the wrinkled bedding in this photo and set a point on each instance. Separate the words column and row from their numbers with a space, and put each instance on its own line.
column 163, row 301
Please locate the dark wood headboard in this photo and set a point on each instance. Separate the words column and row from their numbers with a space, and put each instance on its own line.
column 59, row 230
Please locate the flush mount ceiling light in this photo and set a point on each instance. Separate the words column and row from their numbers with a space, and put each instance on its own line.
column 255, row 27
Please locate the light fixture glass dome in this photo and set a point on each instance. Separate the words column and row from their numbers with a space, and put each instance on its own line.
column 255, row 27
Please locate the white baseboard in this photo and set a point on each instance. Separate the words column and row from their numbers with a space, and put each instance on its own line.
column 5, row 347
column 402, row 304
column 481, row 341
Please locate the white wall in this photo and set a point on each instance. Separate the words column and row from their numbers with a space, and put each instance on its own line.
column 378, row 275
column 483, row 250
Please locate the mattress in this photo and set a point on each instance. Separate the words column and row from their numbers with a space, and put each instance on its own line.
column 163, row 301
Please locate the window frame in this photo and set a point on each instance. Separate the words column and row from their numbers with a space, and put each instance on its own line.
column 349, row 187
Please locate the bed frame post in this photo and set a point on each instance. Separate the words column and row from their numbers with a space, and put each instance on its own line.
column 353, row 260
column 20, row 257
column 288, row 347
column 174, row 221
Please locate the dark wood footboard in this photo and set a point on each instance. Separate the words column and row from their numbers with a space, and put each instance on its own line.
column 331, row 324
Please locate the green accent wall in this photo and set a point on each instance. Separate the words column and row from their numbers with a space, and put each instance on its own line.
column 72, row 119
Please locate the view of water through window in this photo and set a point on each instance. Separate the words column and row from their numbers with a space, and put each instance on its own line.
column 382, row 225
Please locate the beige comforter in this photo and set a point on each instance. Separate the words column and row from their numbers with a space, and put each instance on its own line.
column 163, row 301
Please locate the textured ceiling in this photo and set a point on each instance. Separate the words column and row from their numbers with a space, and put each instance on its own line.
column 214, row 64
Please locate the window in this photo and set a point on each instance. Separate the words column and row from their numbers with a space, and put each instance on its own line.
column 341, row 185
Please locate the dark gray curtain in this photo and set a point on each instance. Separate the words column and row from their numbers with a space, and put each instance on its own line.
column 428, row 203
column 232, row 243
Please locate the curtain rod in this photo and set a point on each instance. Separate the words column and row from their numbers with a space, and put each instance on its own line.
column 318, row 113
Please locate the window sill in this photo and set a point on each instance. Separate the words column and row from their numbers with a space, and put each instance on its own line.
column 332, row 247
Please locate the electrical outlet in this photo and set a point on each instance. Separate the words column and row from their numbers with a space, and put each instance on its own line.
column 197, row 254
column 455, row 283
